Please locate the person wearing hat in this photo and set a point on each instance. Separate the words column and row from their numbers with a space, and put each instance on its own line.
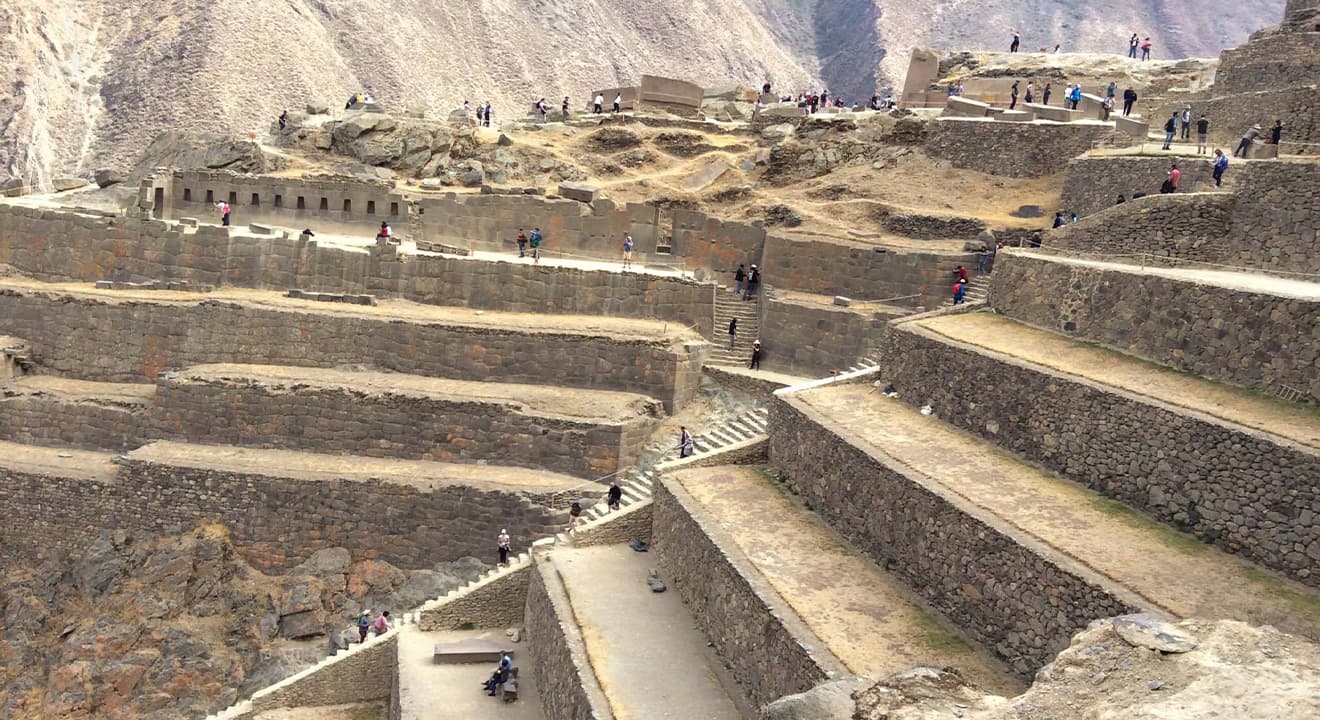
column 755, row 364
column 1247, row 140
column 502, row 543
column 363, row 625
column 753, row 277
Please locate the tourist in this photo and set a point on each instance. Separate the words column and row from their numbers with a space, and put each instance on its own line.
column 535, row 241
column 222, row 207
column 824, row 98
column 478, row 116
column 960, row 89
column 1059, row 220
column 953, row 88
column 1170, row 128
column 1013, row 95
column 502, row 546
column 615, row 496
column 1111, row 89
column 364, row 625
column 686, row 445
column 733, row 331
column 499, row 676
column 382, row 624
column 598, row 106
column 627, row 250
column 485, row 115
column 959, row 291
column 1133, row 43
column 755, row 364
column 1276, row 133
column 982, row 261
column 1067, row 97
column 522, row 243
column 1129, row 97
column 1057, row 48
column 574, row 515
column 1017, row 42
column 618, row 102
column 542, row 111
column 467, row 109
column 1145, row 49
column 961, row 272
column 383, row 234
column 284, row 119
column 1247, row 140
column 1076, row 95
column 1185, row 118
column 753, row 277
column 1221, row 164
column 1106, row 107
column 1202, row 129
column 1030, row 95
column 1171, row 182
column 564, row 109
column 1045, row 95
column 739, row 276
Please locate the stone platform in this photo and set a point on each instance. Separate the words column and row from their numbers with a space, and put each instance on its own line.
column 1017, row 557
column 428, row 689
column 584, row 433
column 47, row 410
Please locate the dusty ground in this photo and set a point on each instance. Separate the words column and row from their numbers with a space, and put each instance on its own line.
column 429, row 690
column 997, row 333
column 60, row 462
column 69, row 390
column 1159, row 567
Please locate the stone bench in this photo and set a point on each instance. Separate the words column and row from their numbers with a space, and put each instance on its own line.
column 963, row 107
column 1052, row 113
column 1016, row 116
column 1131, row 125
column 471, row 650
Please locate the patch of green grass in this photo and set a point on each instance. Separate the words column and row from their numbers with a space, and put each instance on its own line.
column 1167, row 536
column 1299, row 601
column 935, row 635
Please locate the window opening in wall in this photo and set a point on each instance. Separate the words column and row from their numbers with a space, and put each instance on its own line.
column 325, row 203
column 210, row 197
column 256, row 199
column 348, row 205
column 371, row 207
column 187, row 194
column 394, row 208
column 302, row 203
column 233, row 197
column 279, row 201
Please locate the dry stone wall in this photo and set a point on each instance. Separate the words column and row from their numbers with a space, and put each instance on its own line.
column 367, row 673
column 496, row 601
column 303, row 414
column 767, row 648
column 1020, row 150
column 1094, row 183
column 276, row 522
column 1276, row 222
column 1182, row 227
column 65, row 245
column 813, row 339
column 1245, row 491
column 1255, row 340
column 35, row 419
column 295, row 202
column 564, row 679
column 132, row 341
column 1021, row 605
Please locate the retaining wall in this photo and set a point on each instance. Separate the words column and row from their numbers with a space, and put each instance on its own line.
column 860, row 272
column 1178, row 226
column 38, row 419
column 1276, row 222
column 1094, row 183
column 1020, row 603
column 366, row 673
column 1252, row 339
column 813, row 339
column 293, row 201
column 276, row 522
column 1021, row 150
column 558, row 657
column 495, row 601
column 1248, row 492
column 765, row 645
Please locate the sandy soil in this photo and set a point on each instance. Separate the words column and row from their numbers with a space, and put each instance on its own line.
column 1109, row 367
column 60, row 462
column 1160, row 568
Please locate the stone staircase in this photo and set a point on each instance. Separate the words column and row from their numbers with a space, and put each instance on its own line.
column 978, row 289
column 744, row 427
column 727, row 307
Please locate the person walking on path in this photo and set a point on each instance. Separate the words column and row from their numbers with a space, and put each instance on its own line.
column 363, row 625
column 1186, row 119
column 686, row 445
column 382, row 624
column 1017, row 42
column 1013, row 95
column 1133, row 44
column 753, row 277
column 1030, row 96
column 284, row 119
column 522, row 243
column 739, row 277
column 1221, row 164
column 1045, row 95
column 535, row 241
column 614, row 497
column 598, row 106
column 755, row 364
column 1247, row 140
column 1202, row 129
column 1171, row 182
column 627, row 250
column 1276, row 133
column 1111, row 89
column 223, row 208
column 733, row 332
column 618, row 102
column 982, row 261
column 1076, row 96
column 1129, row 98
column 502, row 546
column 564, row 109
column 574, row 516
column 959, row 291
column 1106, row 108
column 961, row 272
column 1170, row 129
column 1145, row 49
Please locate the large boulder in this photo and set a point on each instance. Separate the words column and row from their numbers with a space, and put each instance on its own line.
column 64, row 184
column 582, row 192
column 105, row 177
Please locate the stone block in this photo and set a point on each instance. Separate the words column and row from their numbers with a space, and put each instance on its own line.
column 1053, row 113
column 64, row 184
column 842, row 301
column 581, row 192
column 105, row 177
column 1132, row 125
column 966, row 107
column 1016, row 116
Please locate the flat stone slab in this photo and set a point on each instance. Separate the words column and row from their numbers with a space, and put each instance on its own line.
column 1133, row 126
column 1051, row 112
column 1149, row 631
column 965, row 107
column 581, row 192
column 470, row 650
column 706, row 176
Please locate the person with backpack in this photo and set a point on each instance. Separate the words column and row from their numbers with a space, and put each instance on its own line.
column 383, row 234
column 502, row 547
column 1170, row 128
column 535, row 242
column 1129, row 98
column 522, row 243
column 574, row 515
column 753, row 277
column 628, row 246
column 959, row 291
column 1076, row 95
column 1106, row 107
column 686, row 445
column 1221, row 164
column 364, row 625
column 382, row 624
column 614, row 497
column 1171, row 182
column 739, row 277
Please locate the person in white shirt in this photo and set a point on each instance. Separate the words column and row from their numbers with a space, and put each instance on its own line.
column 599, row 104
column 618, row 102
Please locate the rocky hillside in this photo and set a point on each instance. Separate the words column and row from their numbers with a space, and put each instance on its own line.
column 90, row 82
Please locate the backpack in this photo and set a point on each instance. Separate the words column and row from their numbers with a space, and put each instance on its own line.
column 364, row 622
column 536, row 239
column 1170, row 126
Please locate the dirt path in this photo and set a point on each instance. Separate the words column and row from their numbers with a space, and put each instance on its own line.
column 60, row 462
column 1229, row 279
column 649, row 657
column 1108, row 367
column 69, row 390
column 1173, row 572
column 864, row 616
